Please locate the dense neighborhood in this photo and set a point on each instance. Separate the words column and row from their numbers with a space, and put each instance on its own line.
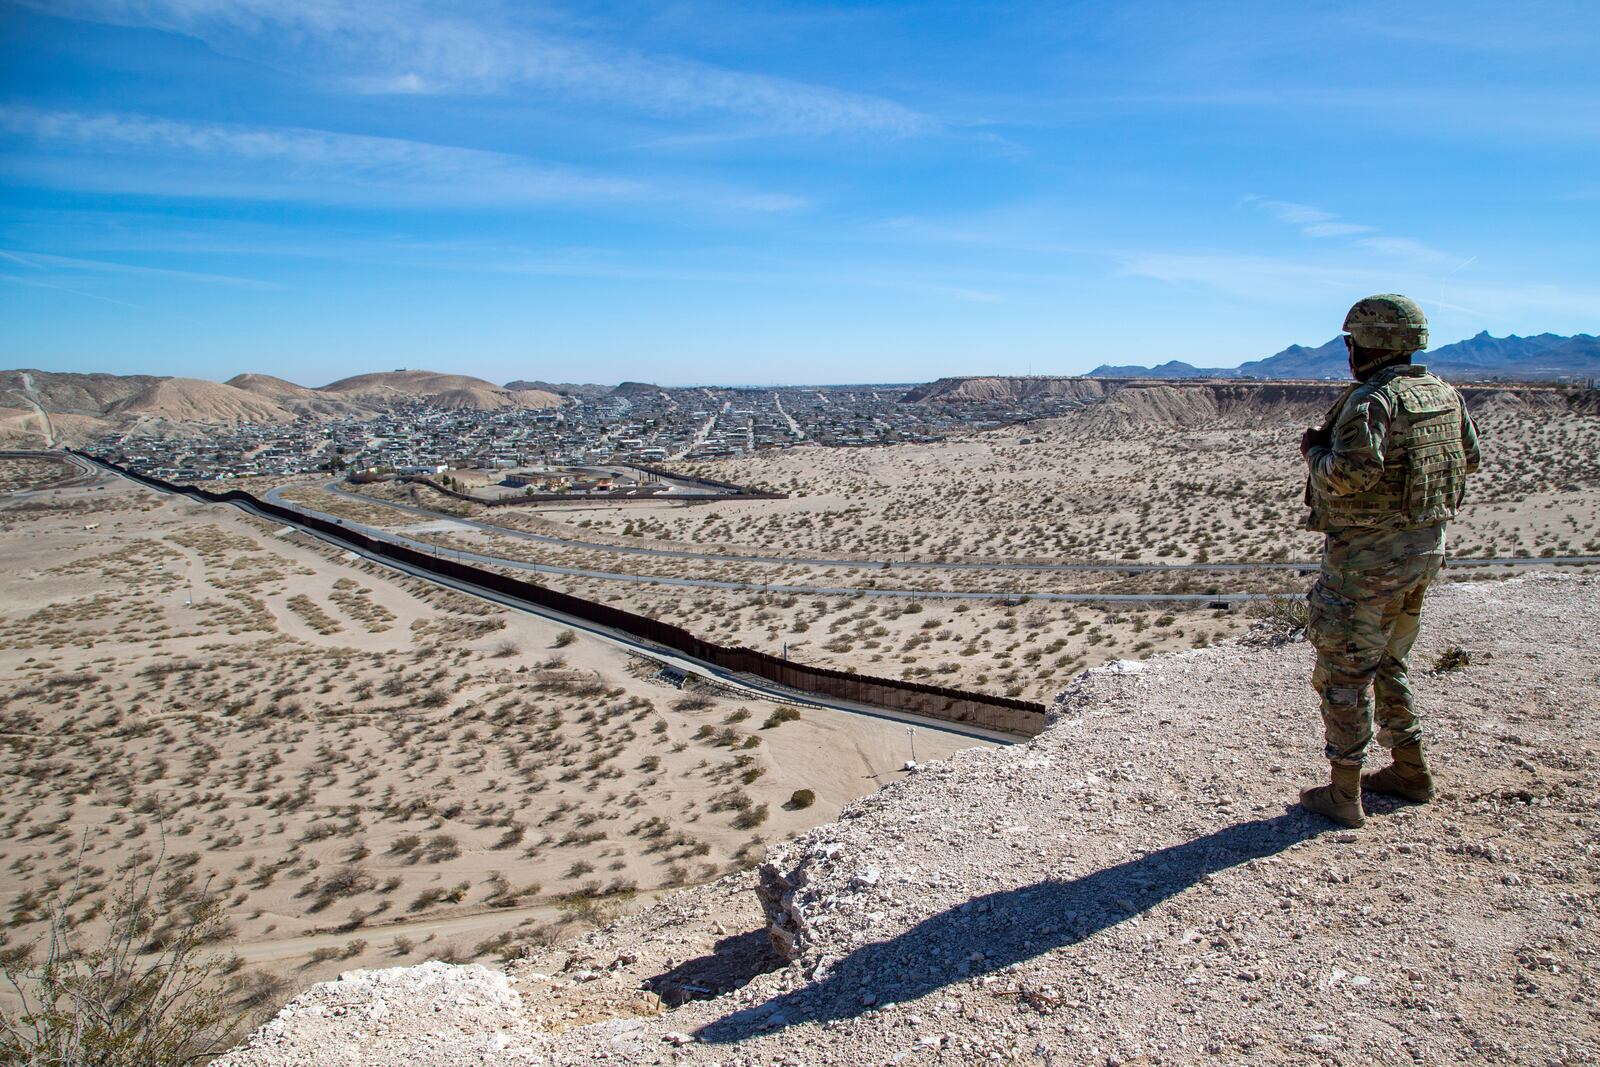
column 633, row 423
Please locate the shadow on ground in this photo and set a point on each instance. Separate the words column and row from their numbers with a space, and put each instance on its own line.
column 992, row 932
column 733, row 961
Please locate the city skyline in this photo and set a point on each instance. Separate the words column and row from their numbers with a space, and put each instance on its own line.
column 794, row 194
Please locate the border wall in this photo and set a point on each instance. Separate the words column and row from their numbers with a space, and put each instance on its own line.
column 624, row 497
column 1020, row 717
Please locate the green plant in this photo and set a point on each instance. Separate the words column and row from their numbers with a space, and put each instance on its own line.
column 146, row 993
column 801, row 798
column 781, row 714
column 1452, row 659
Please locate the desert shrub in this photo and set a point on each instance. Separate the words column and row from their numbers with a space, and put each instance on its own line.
column 563, row 639
column 781, row 714
column 1283, row 616
column 114, row 1002
column 801, row 798
column 1452, row 659
column 750, row 818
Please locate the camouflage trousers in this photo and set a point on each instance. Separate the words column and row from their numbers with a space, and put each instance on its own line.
column 1365, row 612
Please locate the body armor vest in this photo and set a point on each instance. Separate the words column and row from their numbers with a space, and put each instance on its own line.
column 1424, row 461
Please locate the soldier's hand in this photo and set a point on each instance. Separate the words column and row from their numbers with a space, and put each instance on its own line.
column 1314, row 437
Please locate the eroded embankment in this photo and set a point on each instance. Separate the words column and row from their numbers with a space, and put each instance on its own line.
column 1131, row 886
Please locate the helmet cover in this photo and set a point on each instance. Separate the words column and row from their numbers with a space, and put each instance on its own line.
column 1387, row 322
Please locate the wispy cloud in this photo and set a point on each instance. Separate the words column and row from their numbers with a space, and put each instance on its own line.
column 162, row 156
column 1316, row 222
column 42, row 261
column 395, row 47
column 157, row 156
column 1410, row 249
column 1311, row 221
column 1482, row 303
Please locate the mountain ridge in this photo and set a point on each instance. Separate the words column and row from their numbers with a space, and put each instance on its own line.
column 1533, row 358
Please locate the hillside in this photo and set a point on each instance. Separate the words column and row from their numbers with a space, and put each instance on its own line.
column 445, row 390
column 1001, row 389
column 194, row 400
column 83, row 406
column 1130, row 887
column 268, row 385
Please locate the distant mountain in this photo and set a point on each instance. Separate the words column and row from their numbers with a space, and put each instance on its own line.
column 1000, row 390
column 1171, row 369
column 1328, row 360
column 1544, row 356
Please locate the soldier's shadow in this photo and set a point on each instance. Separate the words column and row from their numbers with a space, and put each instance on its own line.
column 992, row 932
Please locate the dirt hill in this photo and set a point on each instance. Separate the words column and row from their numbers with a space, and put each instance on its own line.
column 194, row 400
column 1130, row 887
column 445, row 390
column 267, row 385
column 76, row 394
column 84, row 406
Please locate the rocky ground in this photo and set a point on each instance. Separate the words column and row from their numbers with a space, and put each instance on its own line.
column 1131, row 887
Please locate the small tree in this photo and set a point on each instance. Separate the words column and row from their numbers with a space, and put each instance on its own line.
column 145, row 993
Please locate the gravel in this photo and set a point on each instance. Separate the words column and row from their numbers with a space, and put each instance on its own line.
column 1134, row 886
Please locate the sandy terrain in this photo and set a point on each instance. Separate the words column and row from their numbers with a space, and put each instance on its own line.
column 1165, row 487
column 1132, row 887
column 367, row 768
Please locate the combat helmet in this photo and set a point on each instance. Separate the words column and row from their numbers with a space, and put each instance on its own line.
column 1387, row 322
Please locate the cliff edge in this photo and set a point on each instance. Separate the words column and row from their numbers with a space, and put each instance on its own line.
column 1132, row 886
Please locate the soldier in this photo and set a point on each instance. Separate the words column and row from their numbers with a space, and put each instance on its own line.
column 1387, row 470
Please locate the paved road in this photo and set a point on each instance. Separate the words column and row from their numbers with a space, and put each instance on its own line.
column 87, row 473
column 1309, row 567
column 759, row 687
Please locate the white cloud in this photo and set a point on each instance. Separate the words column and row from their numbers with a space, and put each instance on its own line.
column 1336, row 229
column 1297, row 214
column 395, row 47
column 42, row 261
column 1477, row 303
column 273, row 162
column 1311, row 221
column 156, row 156
column 1409, row 249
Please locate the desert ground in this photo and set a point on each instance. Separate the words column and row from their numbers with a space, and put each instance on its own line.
column 1139, row 486
column 374, row 771
column 368, row 769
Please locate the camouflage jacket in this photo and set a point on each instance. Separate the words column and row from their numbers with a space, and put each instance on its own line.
column 1401, row 445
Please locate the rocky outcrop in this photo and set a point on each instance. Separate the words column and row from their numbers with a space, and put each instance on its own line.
column 1131, row 886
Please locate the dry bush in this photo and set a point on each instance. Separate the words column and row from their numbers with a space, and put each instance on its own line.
column 145, row 993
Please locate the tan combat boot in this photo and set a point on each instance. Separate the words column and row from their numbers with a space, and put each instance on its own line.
column 1408, row 776
column 1340, row 800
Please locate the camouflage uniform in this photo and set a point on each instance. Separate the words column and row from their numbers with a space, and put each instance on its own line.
column 1392, row 473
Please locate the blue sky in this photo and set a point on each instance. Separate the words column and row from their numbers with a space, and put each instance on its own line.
column 745, row 192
